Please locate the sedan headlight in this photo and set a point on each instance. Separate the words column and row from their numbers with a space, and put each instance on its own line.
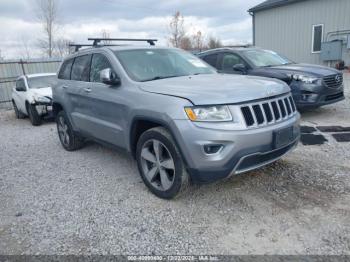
column 209, row 113
column 305, row 79
column 42, row 99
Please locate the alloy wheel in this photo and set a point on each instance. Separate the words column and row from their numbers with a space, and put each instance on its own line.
column 157, row 164
column 63, row 131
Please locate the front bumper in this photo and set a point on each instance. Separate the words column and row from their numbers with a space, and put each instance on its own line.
column 242, row 151
column 312, row 96
column 44, row 109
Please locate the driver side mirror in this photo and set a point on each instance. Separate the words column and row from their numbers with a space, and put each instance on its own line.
column 108, row 77
column 240, row 68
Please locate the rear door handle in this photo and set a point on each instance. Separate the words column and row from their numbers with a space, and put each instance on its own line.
column 87, row 90
column 64, row 86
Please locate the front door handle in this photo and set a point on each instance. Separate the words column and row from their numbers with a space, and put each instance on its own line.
column 64, row 86
column 87, row 90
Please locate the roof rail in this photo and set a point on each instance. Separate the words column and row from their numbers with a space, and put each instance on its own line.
column 98, row 40
column 78, row 46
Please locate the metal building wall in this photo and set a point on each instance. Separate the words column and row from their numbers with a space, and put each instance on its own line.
column 11, row 69
column 288, row 29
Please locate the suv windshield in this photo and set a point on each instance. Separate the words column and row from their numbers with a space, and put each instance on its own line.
column 261, row 58
column 41, row 82
column 153, row 64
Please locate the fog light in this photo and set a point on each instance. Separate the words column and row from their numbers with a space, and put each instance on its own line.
column 212, row 149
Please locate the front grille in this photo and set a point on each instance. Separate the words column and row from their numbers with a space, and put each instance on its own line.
column 334, row 96
column 333, row 81
column 269, row 111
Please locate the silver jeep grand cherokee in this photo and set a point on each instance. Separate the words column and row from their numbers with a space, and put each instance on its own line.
column 174, row 113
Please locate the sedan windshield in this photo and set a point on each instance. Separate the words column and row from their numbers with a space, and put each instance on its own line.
column 41, row 81
column 264, row 58
column 152, row 64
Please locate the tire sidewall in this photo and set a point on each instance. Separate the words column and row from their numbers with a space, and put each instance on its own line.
column 70, row 131
column 179, row 166
column 16, row 109
column 33, row 115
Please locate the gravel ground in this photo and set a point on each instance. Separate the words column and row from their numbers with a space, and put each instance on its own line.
column 93, row 201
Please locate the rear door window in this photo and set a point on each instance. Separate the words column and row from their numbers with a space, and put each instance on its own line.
column 81, row 68
column 65, row 69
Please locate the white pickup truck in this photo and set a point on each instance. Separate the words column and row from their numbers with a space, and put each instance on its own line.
column 32, row 96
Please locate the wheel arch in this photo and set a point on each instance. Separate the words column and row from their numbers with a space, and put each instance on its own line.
column 56, row 108
column 140, row 124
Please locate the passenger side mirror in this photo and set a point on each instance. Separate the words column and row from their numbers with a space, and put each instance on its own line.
column 108, row 77
column 240, row 68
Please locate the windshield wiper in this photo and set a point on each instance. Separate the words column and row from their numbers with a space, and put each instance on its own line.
column 160, row 77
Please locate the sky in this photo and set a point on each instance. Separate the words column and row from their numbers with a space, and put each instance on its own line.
column 20, row 29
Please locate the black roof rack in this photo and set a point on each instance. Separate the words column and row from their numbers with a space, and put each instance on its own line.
column 97, row 40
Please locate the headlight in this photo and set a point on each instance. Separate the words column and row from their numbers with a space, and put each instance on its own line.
column 42, row 99
column 305, row 79
column 209, row 113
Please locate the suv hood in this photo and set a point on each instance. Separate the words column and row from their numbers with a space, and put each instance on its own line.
column 314, row 70
column 45, row 91
column 217, row 88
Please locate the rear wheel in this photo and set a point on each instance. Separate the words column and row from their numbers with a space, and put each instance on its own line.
column 160, row 163
column 69, row 139
column 34, row 117
column 19, row 114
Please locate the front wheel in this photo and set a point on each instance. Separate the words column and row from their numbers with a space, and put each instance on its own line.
column 34, row 117
column 160, row 163
column 69, row 139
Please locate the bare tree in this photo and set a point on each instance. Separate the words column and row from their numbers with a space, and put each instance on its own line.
column 106, row 34
column 25, row 51
column 198, row 41
column 48, row 16
column 186, row 43
column 214, row 43
column 1, row 57
column 62, row 48
column 177, row 29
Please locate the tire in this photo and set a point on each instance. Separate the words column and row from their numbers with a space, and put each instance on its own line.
column 19, row 114
column 69, row 139
column 34, row 117
column 164, row 173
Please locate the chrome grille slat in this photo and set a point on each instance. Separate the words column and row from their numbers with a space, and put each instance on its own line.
column 272, row 113
column 264, row 114
column 254, row 116
column 269, row 111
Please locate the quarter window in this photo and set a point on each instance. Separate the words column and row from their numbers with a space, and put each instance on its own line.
column 317, row 37
column 81, row 68
column 65, row 69
column 211, row 59
column 99, row 62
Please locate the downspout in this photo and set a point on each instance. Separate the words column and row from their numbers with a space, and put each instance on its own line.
column 253, row 23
